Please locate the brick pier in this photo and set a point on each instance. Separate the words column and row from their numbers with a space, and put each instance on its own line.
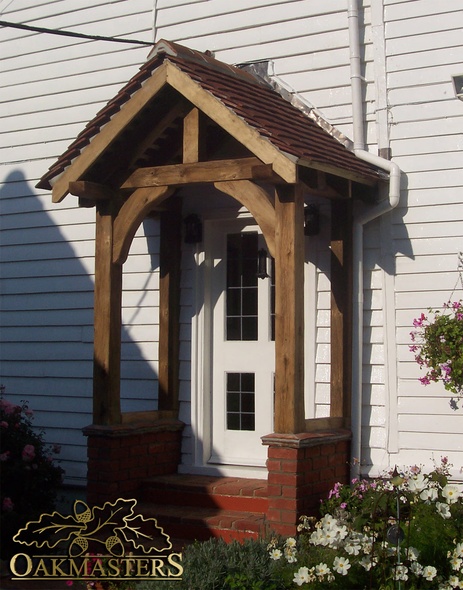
column 302, row 468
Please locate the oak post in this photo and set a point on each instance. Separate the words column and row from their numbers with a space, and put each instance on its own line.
column 289, row 310
column 107, row 321
column 169, row 307
column 341, row 309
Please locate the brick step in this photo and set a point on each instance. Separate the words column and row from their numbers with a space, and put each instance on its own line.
column 224, row 493
column 199, row 523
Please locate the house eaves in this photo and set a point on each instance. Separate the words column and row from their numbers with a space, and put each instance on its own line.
column 246, row 107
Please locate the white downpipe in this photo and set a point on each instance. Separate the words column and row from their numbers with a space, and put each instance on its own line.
column 359, row 221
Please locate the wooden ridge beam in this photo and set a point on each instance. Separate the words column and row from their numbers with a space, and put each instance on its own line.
column 200, row 172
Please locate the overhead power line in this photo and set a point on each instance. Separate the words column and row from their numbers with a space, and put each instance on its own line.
column 10, row 25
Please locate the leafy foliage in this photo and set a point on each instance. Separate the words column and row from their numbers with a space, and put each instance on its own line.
column 438, row 346
column 403, row 531
column 30, row 479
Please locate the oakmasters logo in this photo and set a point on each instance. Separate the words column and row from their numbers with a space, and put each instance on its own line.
column 111, row 542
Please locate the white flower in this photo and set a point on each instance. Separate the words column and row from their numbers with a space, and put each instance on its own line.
column 328, row 521
column 401, row 573
column 429, row 573
column 302, row 576
column 322, row 570
column 454, row 582
column 455, row 563
column 412, row 553
column 341, row 565
column 275, row 554
column 429, row 495
column 443, row 510
column 352, row 548
column 459, row 550
column 417, row 483
column 366, row 563
column 416, row 568
column 290, row 542
column 451, row 493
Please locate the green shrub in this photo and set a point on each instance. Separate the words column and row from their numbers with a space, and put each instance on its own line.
column 216, row 565
column 30, row 479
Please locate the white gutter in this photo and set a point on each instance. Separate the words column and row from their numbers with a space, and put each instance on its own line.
column 360, row 220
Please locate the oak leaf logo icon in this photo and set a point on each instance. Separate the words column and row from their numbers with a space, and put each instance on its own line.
column 114, row 525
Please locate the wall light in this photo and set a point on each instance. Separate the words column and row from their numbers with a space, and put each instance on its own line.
column 311, row 220
column 262, row 270
column 458, row 86
column 193, row 229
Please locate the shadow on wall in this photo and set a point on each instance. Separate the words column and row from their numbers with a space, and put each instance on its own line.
column 46, row 338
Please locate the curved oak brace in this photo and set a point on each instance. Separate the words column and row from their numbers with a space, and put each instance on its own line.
column 259, row 204
column 131, row 214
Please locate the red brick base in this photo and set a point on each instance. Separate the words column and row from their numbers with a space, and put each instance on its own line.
column 302, row 468
column 121, row 456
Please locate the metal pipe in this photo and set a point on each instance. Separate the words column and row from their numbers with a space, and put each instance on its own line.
column 360, row 220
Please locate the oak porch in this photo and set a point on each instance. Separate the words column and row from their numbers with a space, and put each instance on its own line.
column 190, row 99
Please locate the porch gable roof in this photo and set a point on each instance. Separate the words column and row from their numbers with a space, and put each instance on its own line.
column 246, row 107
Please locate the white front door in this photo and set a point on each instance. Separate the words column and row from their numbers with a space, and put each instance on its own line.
column 242, row 351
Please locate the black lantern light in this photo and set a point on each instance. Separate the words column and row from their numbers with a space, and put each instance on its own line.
column 193, row 229
column 311, row 220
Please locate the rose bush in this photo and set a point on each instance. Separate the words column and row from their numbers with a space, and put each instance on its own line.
column 30, row 479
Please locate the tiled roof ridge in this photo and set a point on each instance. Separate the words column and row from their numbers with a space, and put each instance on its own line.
column 240, row 91
column 171, row 49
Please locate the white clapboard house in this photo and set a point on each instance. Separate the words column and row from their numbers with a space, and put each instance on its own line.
column 218, row 223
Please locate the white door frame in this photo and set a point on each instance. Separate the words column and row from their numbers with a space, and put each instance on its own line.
column 201, row 373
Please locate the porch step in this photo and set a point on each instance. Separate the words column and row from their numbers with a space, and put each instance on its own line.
column 198, row 507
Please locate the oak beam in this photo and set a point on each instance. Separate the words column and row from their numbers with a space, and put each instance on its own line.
column 169, row 307
column 193, row 137
column 341, row 309
column 109, row 133
column 283, row 164
column 289, row 310
column 91, row 191
column 107, row 322
column 259, row 204
column 132, row 213
column 197, row 172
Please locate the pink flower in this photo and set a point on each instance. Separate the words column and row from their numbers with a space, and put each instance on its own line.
column 8, row 407
column 4, row 424
column 418, row 322
column 5, row 456
column 7, row 505
column 28, row 453
column 69, row 583
column 425, row 380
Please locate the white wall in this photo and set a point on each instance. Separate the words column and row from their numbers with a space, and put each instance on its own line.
column 50, row 87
